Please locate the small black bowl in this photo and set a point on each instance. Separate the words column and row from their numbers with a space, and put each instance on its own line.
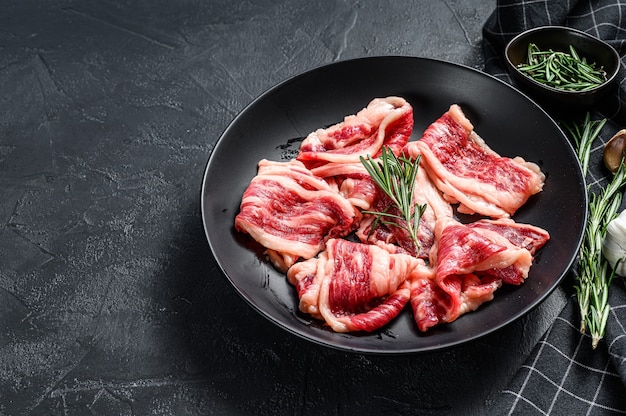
column 559, row 38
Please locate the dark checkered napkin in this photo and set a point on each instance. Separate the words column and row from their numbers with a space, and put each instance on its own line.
column 563, row 375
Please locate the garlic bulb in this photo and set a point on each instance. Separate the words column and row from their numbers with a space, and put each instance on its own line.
column 614, row 244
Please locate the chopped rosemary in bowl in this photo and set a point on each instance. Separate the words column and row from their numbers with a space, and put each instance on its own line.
column 562, row 68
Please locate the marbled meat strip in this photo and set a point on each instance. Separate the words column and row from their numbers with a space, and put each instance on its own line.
column 353, row 181
column 432, row 305
column 384, row 122
column 290, row 211
column 470, row 264
column 462, row 249
column 468, row 172
column 527, row 236
column 359, row 287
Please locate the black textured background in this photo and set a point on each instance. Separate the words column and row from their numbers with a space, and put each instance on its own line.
column 110, row 300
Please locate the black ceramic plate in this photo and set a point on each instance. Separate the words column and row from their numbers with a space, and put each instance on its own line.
column 271, row 127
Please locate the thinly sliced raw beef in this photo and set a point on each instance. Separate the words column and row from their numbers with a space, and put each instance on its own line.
column 471, row 263
column 353, row 181
column 468, row 172
column 353, row 286
column 301, row 210
column 384, row 122
column 433, row 305
column 462, row 249
column 527, row 236
column 292, row 213
column 425, row 192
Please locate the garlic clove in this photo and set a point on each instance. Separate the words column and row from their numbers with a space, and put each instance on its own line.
column 614, row 151
column 614, row 244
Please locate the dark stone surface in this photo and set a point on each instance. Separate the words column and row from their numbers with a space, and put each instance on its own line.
column 110, row 300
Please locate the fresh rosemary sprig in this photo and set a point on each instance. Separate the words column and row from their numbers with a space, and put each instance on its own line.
column 561, row 70
column 594, row 272
column 395, row 176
